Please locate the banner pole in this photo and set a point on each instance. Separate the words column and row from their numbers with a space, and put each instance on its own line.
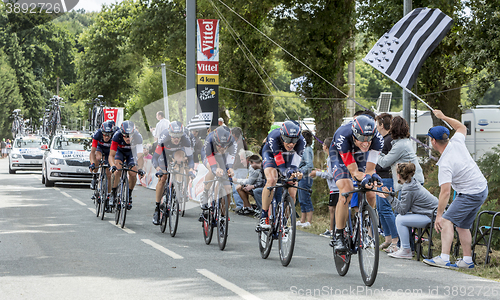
column 431, row 109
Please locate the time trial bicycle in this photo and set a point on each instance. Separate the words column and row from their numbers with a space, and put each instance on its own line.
column 101, row 192
column 122, row 201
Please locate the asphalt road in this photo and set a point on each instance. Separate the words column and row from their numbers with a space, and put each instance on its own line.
column 52, row 246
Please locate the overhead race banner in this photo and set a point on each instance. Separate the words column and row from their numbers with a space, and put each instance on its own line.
column 208, row 67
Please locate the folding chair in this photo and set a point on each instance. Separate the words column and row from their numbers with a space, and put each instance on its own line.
column 483, row 231
column 420, row 234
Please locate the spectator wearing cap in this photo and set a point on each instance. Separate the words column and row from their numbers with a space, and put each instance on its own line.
column 220, row 121
column 240, row 164
column 457, row 170
column 305, row 167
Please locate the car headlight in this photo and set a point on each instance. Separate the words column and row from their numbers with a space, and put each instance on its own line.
column 56, row 161
column 16, row 156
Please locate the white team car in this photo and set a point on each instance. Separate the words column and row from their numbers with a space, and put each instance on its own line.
column 26, row 153
column 67, row 159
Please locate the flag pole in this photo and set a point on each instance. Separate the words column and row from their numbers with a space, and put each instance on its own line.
column 431, row 109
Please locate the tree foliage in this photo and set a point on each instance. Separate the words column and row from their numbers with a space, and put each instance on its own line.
column 11, row 98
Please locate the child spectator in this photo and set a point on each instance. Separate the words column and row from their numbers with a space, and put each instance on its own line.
column 334, row 190
column 253, row 185
column 415, row 209
column 305, row 167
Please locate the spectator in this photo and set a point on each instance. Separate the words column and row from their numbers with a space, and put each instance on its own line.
column 415, row 209
column 161, row 126
column 457, row 169
column 334, row 190
column 3, row 146
column 253, row 185
column 220, row 121
column 240, row 164
column 385, row 213
column 147, row 151
column 305, row 167
column 9, row 146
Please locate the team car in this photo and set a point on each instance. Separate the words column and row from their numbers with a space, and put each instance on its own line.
column 26, row 153
column 67, row 159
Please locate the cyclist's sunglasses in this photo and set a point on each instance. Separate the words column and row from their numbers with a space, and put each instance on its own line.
column 363, row 138
column 107, row 134
column 177, row 135
column 126, row 135
column 288, row 140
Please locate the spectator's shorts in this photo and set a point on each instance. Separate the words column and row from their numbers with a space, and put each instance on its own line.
column 125, row 157
column 4, row 150
column 462, row 211
column 334, row 199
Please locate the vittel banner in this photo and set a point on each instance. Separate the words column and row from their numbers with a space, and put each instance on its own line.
column 208, row 41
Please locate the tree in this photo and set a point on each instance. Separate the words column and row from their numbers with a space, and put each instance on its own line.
column 11, row 99
column 438, row 73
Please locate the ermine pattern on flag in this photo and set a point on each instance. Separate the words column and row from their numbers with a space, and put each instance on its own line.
column 401, row 52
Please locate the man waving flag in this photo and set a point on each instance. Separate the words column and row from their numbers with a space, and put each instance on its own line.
column 401, row 52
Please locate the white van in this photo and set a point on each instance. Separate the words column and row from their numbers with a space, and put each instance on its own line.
column 483, row 129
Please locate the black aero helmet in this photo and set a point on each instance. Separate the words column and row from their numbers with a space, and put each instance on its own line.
column 108, row 127
column 363, row 128
column 222, row 136
column 290, row 131
column 175, row 129
column 127, row 128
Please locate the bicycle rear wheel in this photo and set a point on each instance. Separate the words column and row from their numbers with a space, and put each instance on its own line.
column 286, row 229
column 223, row 217
column 124, row 201
column 164, row 209
column 266, row 240
column 369, row 243
column 173, row 214
column 343, row 259
column 103, row 192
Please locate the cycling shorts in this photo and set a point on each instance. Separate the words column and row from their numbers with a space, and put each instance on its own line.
column 105, row 153
column 268, row 160
column 340, row 171
column 125, row 157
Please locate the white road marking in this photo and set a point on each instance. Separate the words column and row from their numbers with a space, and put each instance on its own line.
column 228, row 285
column 162, row 249
column 79, row 202
column 66, row 194
column 124, row 228
column 92, row 210
column 57, row 189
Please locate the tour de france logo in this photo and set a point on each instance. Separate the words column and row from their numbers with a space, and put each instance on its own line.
column 50, row 8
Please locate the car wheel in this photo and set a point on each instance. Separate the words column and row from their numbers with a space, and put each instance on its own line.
column 43, row 178
column 11, row 171
column 48, row 183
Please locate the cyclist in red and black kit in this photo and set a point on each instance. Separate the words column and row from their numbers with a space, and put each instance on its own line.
column 101, row 143
column 282, row 151
column 218, row 153
column 353, row 153
column 124, row 141
column 173, row 145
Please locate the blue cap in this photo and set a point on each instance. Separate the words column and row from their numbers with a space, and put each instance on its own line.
column 437, row 132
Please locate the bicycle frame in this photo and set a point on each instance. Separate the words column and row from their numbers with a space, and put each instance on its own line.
column 121, row 203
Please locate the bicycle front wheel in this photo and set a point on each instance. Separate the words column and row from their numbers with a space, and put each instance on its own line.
column 266, row 239
column 369, row 243
column 173, row 214
column 223, row 217
column 124, row 202
column 286, row 229
column 164, row 209
column 103, row 192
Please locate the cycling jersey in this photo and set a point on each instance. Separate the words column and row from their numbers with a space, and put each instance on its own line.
column 123, row 150
column 167, row 148
column 99, row 143
column 343, row 152
column 275, row 155
column 210, row 155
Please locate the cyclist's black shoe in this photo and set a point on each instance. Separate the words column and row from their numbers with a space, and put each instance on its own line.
column 339, row 244
column 203, row 216
column 156, row 217
column 129, row 205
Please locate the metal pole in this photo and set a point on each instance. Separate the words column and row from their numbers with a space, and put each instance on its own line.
column 351, row 68
column 191, row 102
column 165, row 91
column 407, row 4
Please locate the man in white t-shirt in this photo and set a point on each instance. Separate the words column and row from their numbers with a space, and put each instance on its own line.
column 457, row 169
column 161, row 125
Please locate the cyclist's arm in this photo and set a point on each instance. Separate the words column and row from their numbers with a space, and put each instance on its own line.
column 112, row 153
column 156, row 156
column 92, row 153
column 140, row 155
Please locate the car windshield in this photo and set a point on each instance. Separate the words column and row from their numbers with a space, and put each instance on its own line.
column 30, row 142
column 72, row 143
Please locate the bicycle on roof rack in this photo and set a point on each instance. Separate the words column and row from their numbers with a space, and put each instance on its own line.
column 96, row 113
column 17, row 123
column 54, row 115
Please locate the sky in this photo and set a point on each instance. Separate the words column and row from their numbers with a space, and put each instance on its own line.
column 93, row 5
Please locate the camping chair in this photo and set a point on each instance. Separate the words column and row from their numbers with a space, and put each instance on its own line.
column 483, row 231
column 422, row 234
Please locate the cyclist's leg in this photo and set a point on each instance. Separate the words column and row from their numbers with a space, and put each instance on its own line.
column 271, row 180
column 345, row 185
column 159, row 188
column 371, row 199
column 179, row 157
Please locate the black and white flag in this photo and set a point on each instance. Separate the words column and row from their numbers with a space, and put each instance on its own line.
column 401, row 52
column 201, row 121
